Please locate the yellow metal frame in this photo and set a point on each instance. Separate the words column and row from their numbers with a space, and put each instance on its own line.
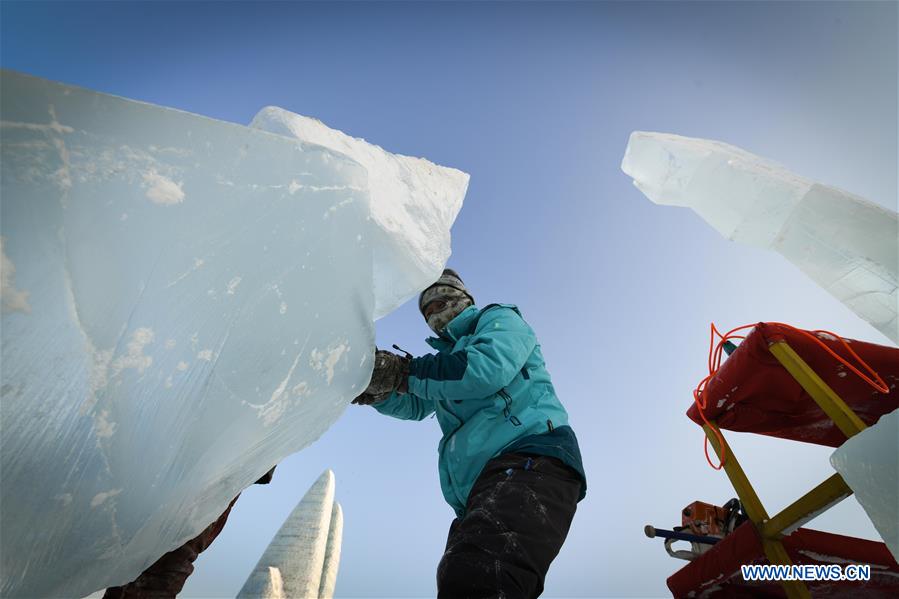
column 830, row 492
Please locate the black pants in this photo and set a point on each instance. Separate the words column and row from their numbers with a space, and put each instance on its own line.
column 516, row 520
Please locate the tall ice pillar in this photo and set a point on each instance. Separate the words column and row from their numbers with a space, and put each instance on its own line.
column 303, row 557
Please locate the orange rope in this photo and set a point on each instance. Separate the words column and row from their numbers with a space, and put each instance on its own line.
column 716, row 352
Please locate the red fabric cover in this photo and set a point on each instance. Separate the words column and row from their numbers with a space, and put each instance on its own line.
column 752, row 392
column 717, row 573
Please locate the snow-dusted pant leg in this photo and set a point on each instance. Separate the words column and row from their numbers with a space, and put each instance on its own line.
column 516, row 520
column 166, row 577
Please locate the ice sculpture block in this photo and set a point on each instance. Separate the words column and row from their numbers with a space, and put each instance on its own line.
column 846, row 244
column 185, row 302
column 869, row 463
column 408, row 198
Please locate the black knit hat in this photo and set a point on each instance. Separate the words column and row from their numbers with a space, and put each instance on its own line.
column 449, row 278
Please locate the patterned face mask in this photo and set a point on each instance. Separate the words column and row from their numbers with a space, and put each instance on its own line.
column 441, row 304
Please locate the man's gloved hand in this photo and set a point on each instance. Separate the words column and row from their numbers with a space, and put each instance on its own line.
column 390, row 374
column 367, row 399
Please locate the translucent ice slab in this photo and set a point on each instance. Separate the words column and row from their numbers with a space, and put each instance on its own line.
column 413, row 205
column 869, row 463
column 185, row 302
column 847, row 245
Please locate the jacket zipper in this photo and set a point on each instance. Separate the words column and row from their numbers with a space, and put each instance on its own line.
column 507, row 410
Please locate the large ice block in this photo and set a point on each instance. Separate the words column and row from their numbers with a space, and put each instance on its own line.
column 869, row 463
column 185, row 302
column 413, row 205
column 846, row 244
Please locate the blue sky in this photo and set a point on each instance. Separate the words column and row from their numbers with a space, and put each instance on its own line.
column 536, row 102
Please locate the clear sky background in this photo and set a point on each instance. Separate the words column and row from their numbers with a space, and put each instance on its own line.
column 536, row 102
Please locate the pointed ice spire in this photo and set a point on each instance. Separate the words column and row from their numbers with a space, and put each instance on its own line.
column 332, row 554
column 302, row 559
column 274, row 586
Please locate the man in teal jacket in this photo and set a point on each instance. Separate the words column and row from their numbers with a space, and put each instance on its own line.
column 509, row 463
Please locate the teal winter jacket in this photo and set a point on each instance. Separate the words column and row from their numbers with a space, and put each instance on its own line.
column 489, row 388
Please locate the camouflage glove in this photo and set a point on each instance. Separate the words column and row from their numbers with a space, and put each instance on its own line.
column 366, row 399
column 390, row 374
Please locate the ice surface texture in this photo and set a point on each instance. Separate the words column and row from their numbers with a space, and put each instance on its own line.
column 869, row 463
column 185, row 302
column 847, row 245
